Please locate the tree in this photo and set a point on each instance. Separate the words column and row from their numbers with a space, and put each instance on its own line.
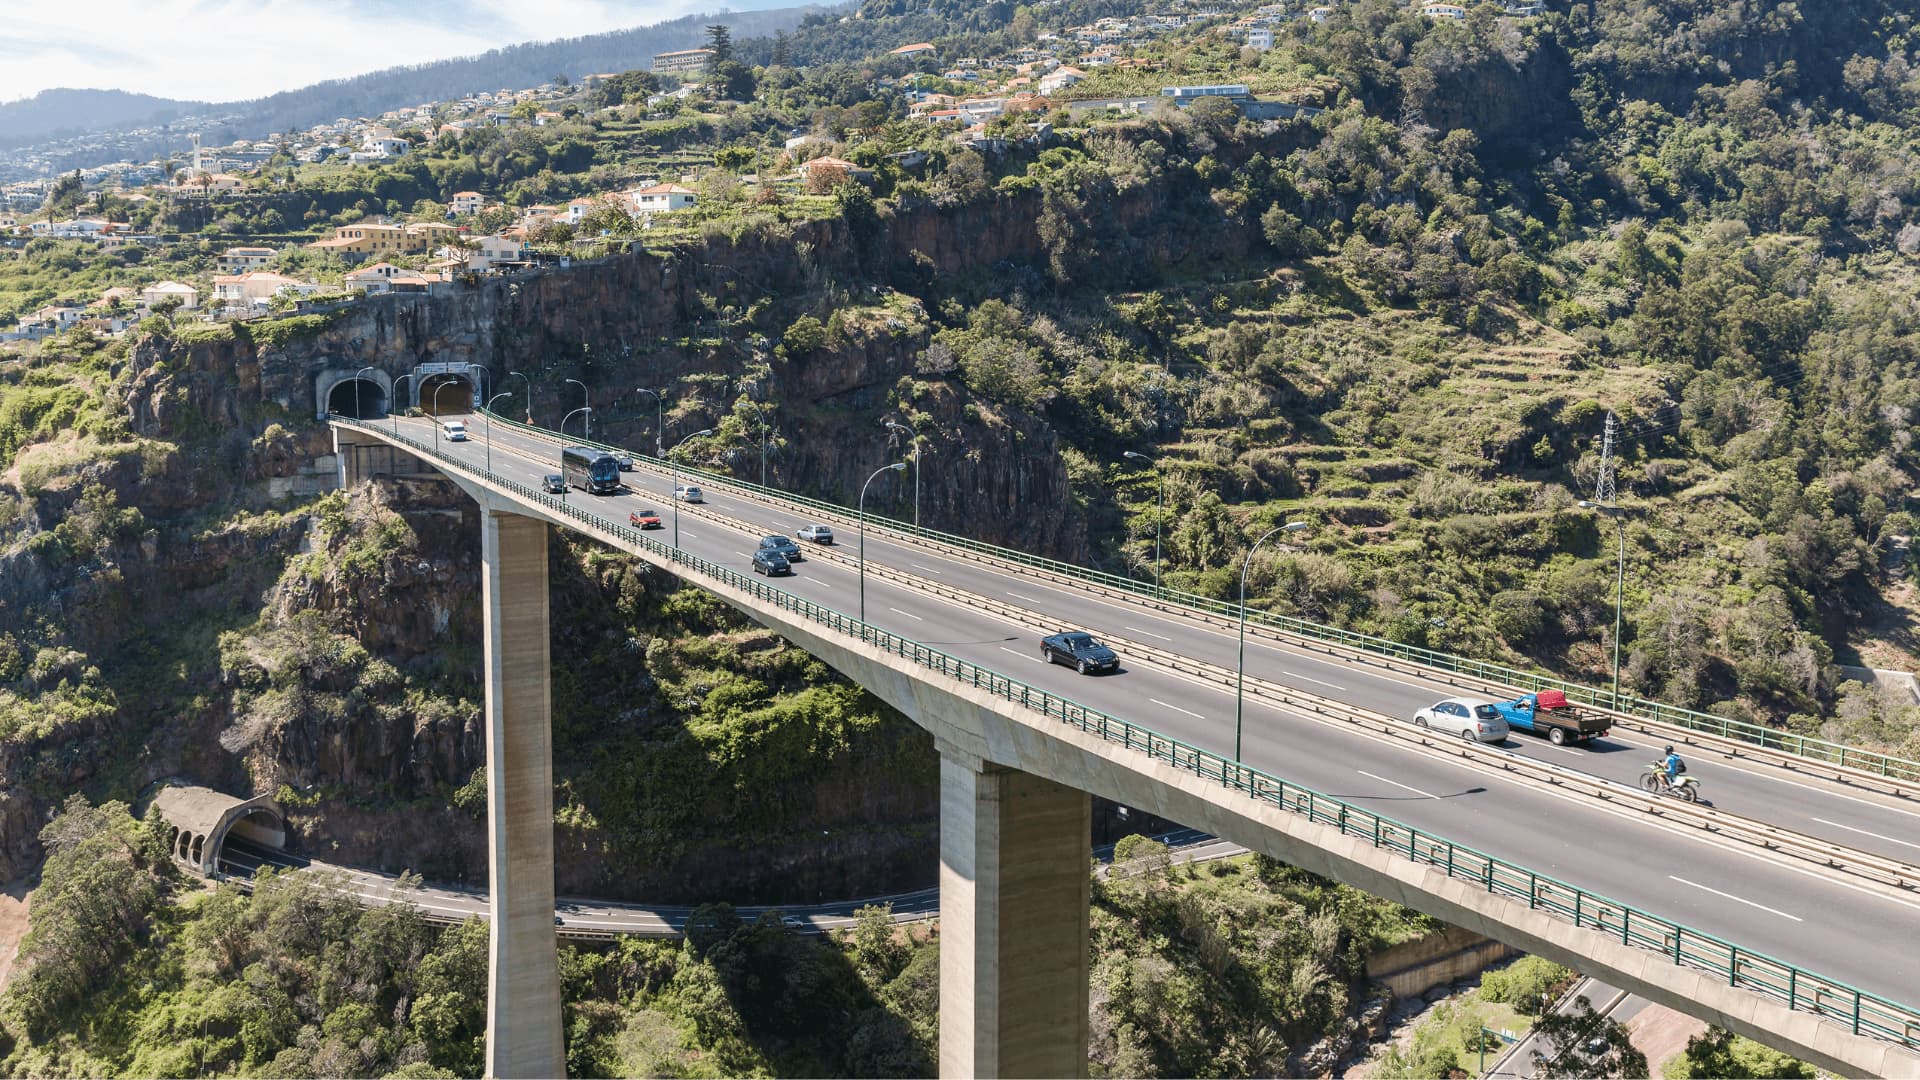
column 1718, row 1052
column 782, row 56
column 720, row 40
column 1583, row 1043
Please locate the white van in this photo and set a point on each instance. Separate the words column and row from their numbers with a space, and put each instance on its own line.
column 454, row 430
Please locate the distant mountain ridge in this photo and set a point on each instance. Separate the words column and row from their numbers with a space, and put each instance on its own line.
column 62, row 113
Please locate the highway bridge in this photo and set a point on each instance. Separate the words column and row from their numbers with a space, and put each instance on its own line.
column 1785, row 910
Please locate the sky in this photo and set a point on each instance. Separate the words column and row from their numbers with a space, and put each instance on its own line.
column 232, row 50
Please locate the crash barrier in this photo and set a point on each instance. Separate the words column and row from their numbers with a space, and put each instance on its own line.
column 1797, row 988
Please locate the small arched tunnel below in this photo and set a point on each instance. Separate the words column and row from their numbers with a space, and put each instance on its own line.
column 362, row 399
column 202, row 820
column 446, row 394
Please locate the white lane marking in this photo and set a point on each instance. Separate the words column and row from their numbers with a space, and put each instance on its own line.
column 1863, row 832
column 1311, row 679
column 1176, row 708
column 1741, row 899
column 928, row 569
column 1023, row 596
column 1149, row 633
column 688, row 535
column 1011, row 652
column 743, row 554
column 1398, row 784
column 908, row 614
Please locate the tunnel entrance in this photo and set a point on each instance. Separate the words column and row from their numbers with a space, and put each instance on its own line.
column 362, row 399
column 447, row 393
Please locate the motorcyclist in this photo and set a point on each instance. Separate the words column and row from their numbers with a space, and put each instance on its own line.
column 1671, row 762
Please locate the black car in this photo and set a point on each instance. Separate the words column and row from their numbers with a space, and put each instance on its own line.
column 554, row 484
column 782, row 545
column 771, row 563
column 1080, row 651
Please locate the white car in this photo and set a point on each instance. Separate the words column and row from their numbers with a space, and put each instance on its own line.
column 689, row 493
column 454, row 430
column 1473, row 719
column 816, row 534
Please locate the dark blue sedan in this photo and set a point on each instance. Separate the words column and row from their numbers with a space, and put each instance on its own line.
column 1079, row 651
column 771, row 563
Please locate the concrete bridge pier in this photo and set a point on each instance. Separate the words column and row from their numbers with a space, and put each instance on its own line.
column 524, row 1034
column 1014, row 892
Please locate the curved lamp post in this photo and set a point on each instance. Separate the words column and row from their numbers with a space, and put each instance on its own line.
column 1160, row 511
column 659, row 416
column 765, row 431
column 529, row 383
column 586, row 401
column 436, row 410
column 356, row 392
column 673, row 478
column 894, row 425
column 489, row 415
column 395, row 415
column 1240, row 683
column 1619, row 517
column 897, row 466
column 569, row 416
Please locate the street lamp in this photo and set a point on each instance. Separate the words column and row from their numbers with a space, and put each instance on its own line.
column 489, row 414
column 395, row 416
column 587, row 404
column 673, row 479
column 915, row 436
column 529, row 383
column 764, row 432
column 1159, row 513
column 356, row 392
column 1240, row 685
column 436, row 410
column 659, row 416
column 895, row 467
column 569, row 416
column 1613, row 511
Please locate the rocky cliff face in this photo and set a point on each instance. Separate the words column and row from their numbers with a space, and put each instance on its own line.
column 333, row 650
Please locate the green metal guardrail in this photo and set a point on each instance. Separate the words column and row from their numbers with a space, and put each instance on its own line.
column 1886, row 765
column 1864, row 1013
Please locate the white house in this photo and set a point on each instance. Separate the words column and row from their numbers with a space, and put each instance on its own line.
column 467, row 202
column 386, row 146
column 1060, row 78
column 1444, row 11
column 257, row 287
column 238, row 260
column 488, row 252
column 1321, row 13
column 162, row 291
column 1260, row 37
column 384, row 278
column 661, row 198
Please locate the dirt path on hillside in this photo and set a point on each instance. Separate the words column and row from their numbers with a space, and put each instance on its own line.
column 13, row 926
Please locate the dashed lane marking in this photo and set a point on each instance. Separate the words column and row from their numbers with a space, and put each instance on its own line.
column 1863, row 832
column 1149, row 633
column 908, row 614
column 1398, row 784
column 1176, row 708
column 1311, row 679
column 1741, row 899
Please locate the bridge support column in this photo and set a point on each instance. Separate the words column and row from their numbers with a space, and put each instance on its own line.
column 524, row 1035
column 1014, row 892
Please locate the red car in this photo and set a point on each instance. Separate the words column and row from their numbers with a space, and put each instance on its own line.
column 644, row 519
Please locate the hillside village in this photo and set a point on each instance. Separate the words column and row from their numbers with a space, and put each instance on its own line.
column 985, row 103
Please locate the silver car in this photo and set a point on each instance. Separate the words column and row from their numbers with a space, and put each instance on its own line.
column 1473, row 719
column 816, row 534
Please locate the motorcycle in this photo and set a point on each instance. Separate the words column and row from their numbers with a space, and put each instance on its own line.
column 1684, row 787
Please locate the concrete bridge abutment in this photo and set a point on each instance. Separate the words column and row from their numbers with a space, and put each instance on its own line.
column 524, row 1034
column 1014, row 895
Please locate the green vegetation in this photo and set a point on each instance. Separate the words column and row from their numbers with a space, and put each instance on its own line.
column 1451, row 1038
column 1721, row 1053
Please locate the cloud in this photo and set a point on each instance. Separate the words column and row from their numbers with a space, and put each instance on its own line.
column 230, row 50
